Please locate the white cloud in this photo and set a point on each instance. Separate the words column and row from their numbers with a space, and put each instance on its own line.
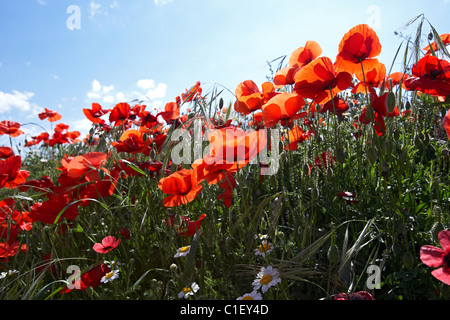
column 158, row 92
column 146, row 84
column 162, row 2
column 41, row 2
column 114, row 5
column 16, row 100
column 146, row 90
column 94, row 8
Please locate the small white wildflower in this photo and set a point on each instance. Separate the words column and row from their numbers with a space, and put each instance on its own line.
column 254, row 295
column 110, row 276
column 183, row 251
column 264, row 248
column 188, row 291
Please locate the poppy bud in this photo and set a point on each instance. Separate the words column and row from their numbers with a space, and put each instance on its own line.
column 385, row 170
column 390, row 102
column 371, row 155
column 333, row 254
column 396, row 135
column 408, row 260
column 173, row 268
column 340, row 155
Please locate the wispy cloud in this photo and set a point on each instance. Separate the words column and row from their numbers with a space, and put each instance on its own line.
column 94, row 8
column 41, row 2
column 162, row 2
column 18, row 101
column 146, row 90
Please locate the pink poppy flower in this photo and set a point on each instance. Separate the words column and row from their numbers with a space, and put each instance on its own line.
column 437, row 257
column 108, row 243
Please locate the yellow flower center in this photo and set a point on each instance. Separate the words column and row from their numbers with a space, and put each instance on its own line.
column 247, row 298
column 109, row 275
column 184, row 249
column 264, row 247
column 186, row 290
column 266, row 279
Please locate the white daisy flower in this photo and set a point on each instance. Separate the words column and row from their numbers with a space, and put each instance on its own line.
column 262, row 236
column 8, row 273
column 264, row 248
column 266, row 278
column 114, row 265
column 254, row 295
column 188, row 291
column 183, row 251
column 110, row 276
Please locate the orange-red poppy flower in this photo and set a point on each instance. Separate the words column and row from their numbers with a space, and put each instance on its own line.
column 119, row 114
column 50, row 115
column 171, row 112
column 283, row 107
column 11, row 128
column 44, row 136
column 430, row 75
column 6, row 152
column 132, row 141
column 445, row 38
column 187, row 226
column 337, row 106
column 91, row 278
column 446, row 123
column 94, row 114
column 193, row 93
column 249, row 98
column 296, row 136
column 11, row 176
column 374, row 78
column 320, row 81
column 298, row 59
column 182, row 187
column 8, row 250
column 360, row 45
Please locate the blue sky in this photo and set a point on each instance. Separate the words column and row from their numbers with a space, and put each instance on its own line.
column 128, row 49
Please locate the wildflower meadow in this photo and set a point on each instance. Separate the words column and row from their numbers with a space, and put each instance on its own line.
column 329, row 181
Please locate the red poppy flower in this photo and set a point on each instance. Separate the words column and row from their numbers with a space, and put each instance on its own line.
column 372, row 78
column 38, row 185
column 132, row 141
column 8, row 250
column 446, row 123
column 337, row 106
column 438, row 257
column 234, row 147
column 54, row 210
column 10, row 128
column 108, row 243
column 182, row 187
column 91, row 278
column 323, row 162
column 249, row 98
column 298, row 59
column 430, row 75
column 397, row 78
column 320, row 81
column 10, row 174
column 445, row 38
column 171, row 112
column 361, row 295
column 283, row 107
column 193, row 93
column 296, row 136
column 119, row 114
column 360, row 45
column 50, row 115
column 6, row 152
column 187, row 227
column 95, row 113
column 44, row 136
